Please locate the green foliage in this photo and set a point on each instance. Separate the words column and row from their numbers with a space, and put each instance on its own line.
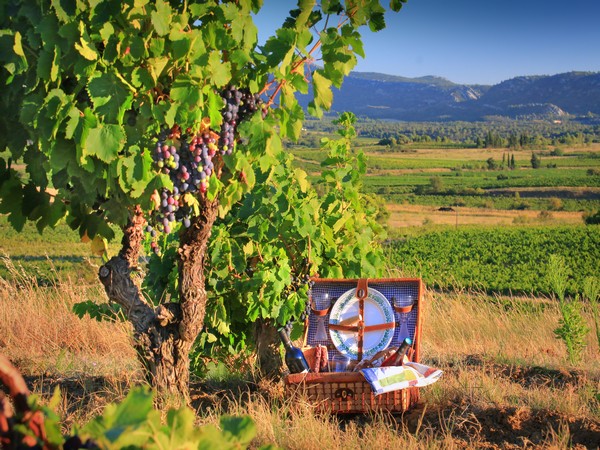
column 99, row 312
column 94, row 85
column 557, row 276
column 536, row 161
column 134, row 423
column 282, row 231
column 592, row 219
column 572, row 328
column 501, row 260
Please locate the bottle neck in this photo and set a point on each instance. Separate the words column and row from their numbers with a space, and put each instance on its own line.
column 285, row 338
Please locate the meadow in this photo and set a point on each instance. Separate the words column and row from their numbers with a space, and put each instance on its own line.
column 506, row 382
column 489, row 313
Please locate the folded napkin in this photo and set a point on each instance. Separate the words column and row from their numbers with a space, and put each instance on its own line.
column 392, row 378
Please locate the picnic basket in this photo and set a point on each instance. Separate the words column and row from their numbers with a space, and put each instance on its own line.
column 348, row 392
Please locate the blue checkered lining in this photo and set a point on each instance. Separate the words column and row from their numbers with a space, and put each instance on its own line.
column 324, row 294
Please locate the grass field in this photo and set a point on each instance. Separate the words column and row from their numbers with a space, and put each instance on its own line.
column 506, row 384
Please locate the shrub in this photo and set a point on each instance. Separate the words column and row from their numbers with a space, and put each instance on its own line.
column 436, row 184
column 592, row 219
column 555, row 204
column 536, row 161
column 572, row 327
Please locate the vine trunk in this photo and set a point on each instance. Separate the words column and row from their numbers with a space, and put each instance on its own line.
column 163, row 335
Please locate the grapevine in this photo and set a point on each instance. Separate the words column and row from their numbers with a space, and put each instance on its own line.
column 188, row 159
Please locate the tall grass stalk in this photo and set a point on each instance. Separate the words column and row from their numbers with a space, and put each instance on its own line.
column 591, row 291
column 572, row 328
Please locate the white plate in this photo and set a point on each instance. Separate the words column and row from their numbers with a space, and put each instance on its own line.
column 377, row 310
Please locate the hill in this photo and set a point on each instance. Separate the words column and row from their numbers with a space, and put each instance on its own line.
column 433, row 98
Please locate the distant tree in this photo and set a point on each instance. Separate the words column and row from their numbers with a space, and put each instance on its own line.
column 436, row 184
column 512, row 164
column 536, row 160
column 489, row 139
column 491, row 164
column 592, row 218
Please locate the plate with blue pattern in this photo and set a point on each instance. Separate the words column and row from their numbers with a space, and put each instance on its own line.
column 377, row 310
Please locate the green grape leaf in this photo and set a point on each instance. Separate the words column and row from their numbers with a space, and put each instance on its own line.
column 322, row 90
column 190, row 200
column 292, row 119
column 239, row 429
column 85, row 46
column 157, row 66
column 141, row 77
column 302, row 179
column 161, row 18
column 135, row 171
column 305, row 7
column 180, row 431
column 280, row 49
column 215, row 105
column 185, row 89
column 220, row 72
column 396, row 5
column 111, row 98
column 54, row 68
column 18, row 46
column 104, row 142
column 214, row 187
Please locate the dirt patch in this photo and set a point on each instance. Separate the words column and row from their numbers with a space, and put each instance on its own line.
column 530, row 377
column 504, row 427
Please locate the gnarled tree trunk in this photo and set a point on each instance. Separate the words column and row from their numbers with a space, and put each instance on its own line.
column 163, row 335
column 268, row 346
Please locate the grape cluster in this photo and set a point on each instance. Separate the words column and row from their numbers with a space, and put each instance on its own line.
column 288, row 327
column 299, row 280
column 239, row 104
column 188, row 158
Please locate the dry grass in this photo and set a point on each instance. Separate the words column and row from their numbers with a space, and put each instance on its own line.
column 506, row 383
column 417, row 215
column 41, row 334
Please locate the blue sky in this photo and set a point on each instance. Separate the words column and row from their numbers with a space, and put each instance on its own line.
column 475, row 41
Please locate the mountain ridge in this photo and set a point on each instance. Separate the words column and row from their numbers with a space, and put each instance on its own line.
column 433, row 98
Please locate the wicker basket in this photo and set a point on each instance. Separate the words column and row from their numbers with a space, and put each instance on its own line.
column 349, row 392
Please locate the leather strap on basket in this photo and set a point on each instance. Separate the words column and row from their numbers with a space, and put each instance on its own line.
column 362, row 291
column 366, row 328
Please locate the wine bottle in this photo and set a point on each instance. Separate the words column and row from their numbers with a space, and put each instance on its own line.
column 395, row 359
column 294, row 358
